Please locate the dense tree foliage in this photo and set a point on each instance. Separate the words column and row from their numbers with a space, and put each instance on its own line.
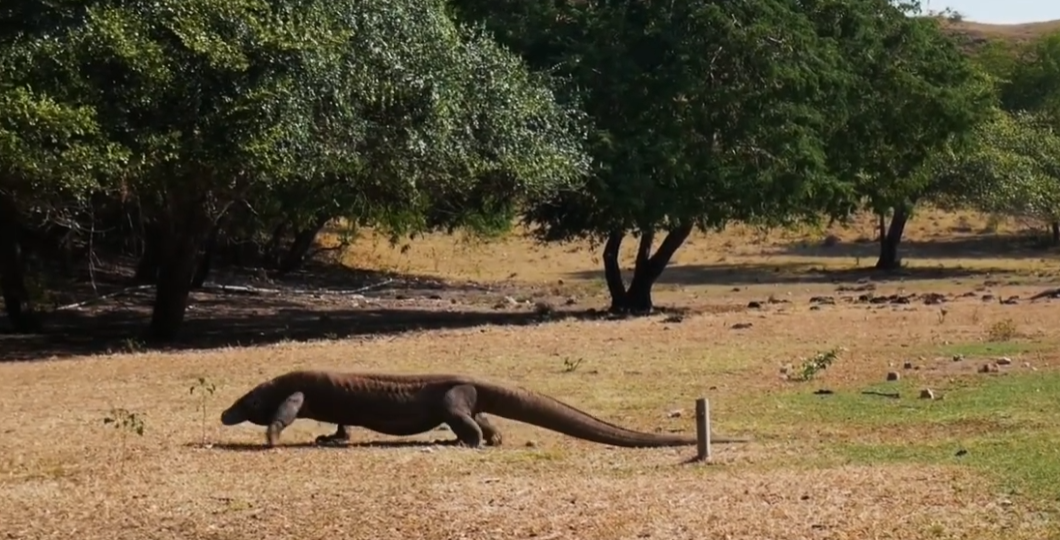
column 707, row 112
column 1032, row 85
column 1012, row 169
column 914, row 95
column 293, row 112
column 1030, row 82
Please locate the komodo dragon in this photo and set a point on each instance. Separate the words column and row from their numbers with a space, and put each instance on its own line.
column 411, row 404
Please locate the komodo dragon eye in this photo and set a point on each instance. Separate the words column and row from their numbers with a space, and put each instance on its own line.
column 255, row 408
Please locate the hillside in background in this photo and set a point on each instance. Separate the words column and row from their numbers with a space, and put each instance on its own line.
column 975, row 34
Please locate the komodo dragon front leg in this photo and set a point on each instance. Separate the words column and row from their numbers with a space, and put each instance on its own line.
column 470, row 429
column 284, row 416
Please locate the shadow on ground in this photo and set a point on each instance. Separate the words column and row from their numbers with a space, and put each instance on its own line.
column 796, row 273
column 397, row 443
column 408, row 304
column 114, row 280
column 979, row 246
column 324, row 303
column 75, row 334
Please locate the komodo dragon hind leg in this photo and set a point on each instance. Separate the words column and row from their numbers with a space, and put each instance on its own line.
column 339, row 437
column 490, row 433
column 285, row 415
column 458, row 404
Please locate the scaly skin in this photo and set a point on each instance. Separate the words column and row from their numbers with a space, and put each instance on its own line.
column 411, row 404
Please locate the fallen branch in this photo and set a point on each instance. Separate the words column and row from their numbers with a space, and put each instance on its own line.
column 375, row 285
column 238, row 289
column 893, row 395
column 247, row 289
column 229, row 289
column 116, row 294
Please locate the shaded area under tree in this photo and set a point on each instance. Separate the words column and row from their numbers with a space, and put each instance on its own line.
column 77, row 334
column 794, row 273
column 218, row 320
column 972, row 246
column 328, row 302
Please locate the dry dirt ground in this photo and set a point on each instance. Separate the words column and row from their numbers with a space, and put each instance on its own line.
column 979, row 461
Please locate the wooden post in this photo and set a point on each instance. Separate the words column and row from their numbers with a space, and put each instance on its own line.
column 702, row 429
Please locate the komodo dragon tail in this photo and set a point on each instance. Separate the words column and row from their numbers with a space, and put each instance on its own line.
column 550, row 413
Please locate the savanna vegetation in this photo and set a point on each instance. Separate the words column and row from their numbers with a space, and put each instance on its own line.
column 833, row 218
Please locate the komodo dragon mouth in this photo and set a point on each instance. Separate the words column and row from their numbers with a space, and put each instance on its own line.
column 250, row 407
column 231, row 417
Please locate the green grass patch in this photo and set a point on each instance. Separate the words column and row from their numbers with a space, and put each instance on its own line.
column 1023, row 400
column 1023, row 463
column 989, row 348
column 1007, row 425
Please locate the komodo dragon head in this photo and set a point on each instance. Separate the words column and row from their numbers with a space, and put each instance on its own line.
column 258, row 406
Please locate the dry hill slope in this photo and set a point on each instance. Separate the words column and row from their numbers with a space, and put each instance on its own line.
column 977, row 34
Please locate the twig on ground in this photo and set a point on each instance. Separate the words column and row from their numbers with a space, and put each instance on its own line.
column 248, row 289
column 107, row 296
column 893, row 395
column 231, row 289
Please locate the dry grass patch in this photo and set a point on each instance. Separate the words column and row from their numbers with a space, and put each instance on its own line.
column 953, row 243
column 457, row 494
column 1014, row 33
column 635, row 372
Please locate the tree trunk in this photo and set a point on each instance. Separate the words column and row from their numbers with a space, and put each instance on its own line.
column 303, row 242
column 183, row 232
column 613, row 272
column 202, row 271
column 173, row 286
column 17, row 302
column 148, row 265
column 270, row 251
column 889, row 259
column 637, row 298
column 1056, row 233
column 647, row 269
